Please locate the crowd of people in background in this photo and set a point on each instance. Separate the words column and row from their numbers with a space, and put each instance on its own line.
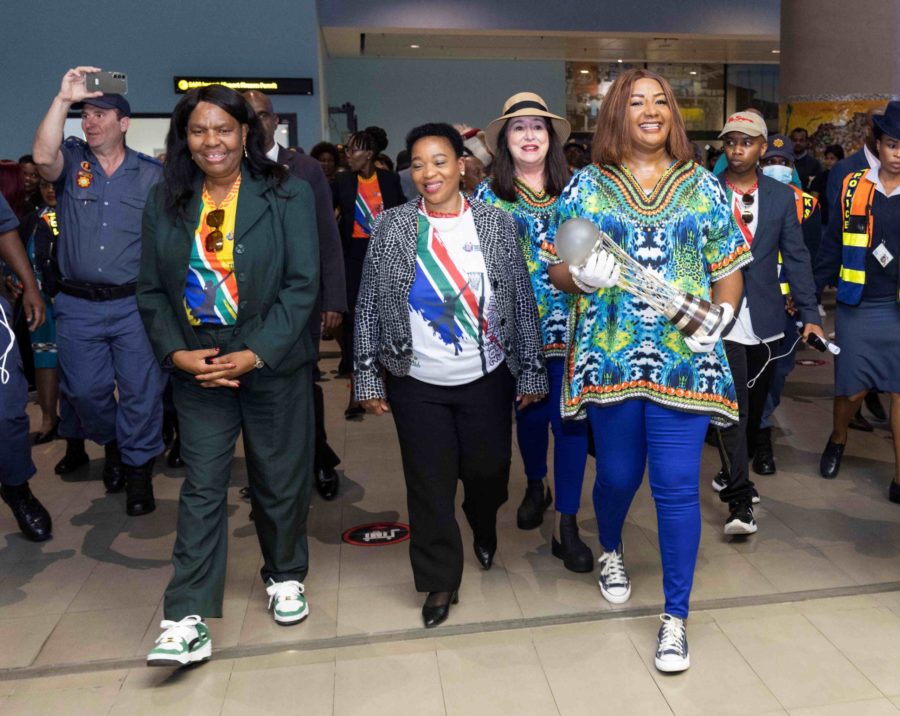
column 199, row 289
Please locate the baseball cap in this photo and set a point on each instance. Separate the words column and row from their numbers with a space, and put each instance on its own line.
column 779, row 146
column 748, row 123
column 107, row 101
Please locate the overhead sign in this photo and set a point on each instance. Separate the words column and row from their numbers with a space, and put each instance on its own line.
column 269, row 85
column 377, row 534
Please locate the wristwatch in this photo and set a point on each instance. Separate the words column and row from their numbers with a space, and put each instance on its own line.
column 258, row 362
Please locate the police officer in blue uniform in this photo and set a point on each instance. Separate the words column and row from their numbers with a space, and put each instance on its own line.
column 16, row 466
column 102, row 186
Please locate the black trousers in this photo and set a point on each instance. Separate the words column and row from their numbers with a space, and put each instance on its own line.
column 354, row 259
column 737, row 443
column 325, row 457
column 449, row 434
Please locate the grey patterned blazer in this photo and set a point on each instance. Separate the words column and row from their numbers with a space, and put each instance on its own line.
column 383, row 338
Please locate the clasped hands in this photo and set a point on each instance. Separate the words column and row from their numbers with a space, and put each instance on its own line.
column 212, row 370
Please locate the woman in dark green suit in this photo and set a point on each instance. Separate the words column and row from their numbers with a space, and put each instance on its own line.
column 229, row 275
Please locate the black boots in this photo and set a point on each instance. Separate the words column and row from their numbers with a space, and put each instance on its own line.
column 139, row 489
column 113, row 469
column 76, row 457
column 575, row 554
column 531, row 512
column 31, row 516
column 763, row 457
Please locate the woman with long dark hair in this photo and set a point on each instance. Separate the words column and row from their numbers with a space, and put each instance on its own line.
column 649, row 392
column 229, row 275
column 529, row 173
column 360, row 195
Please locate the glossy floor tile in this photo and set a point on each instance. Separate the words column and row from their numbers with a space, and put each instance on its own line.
column 801, row 618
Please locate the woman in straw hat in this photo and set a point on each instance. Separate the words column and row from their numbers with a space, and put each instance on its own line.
column 649, row 392
column 529, row 173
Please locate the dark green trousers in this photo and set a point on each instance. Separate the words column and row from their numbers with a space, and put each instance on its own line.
column 275, row 414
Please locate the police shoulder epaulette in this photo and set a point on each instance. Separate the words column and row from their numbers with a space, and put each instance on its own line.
column 148, row 158
column 73, row 142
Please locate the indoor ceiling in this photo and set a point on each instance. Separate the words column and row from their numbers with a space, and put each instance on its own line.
column 588, row 47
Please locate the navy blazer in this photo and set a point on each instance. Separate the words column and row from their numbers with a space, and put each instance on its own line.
column 777, row 229
column 331, row 256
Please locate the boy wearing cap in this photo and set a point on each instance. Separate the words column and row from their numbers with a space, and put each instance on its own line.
column 764, row 211
column 102, row 186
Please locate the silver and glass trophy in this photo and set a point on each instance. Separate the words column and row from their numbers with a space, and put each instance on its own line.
column 578, row 239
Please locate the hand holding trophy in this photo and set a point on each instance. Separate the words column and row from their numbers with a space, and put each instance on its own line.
column 596, row 261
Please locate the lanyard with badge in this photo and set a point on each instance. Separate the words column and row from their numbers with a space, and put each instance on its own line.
column 882, row 255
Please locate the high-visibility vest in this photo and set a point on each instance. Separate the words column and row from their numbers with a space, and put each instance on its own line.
column 857, row 194
column 806, row 205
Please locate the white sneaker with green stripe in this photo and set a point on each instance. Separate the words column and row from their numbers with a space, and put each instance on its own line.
column 182, row 642
column 287, row 602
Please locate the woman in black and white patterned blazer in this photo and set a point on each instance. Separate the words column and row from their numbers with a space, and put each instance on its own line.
column 447, row 335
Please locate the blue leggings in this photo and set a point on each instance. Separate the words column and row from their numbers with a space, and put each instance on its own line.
column 629, row 436
column 570, row 439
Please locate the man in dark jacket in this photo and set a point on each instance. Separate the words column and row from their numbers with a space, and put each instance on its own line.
column 332, row 301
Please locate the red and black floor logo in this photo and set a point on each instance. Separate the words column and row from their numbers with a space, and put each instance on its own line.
column 377, row 534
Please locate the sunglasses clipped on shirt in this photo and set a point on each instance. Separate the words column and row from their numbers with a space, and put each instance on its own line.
column 215, row 239
column 747, row 201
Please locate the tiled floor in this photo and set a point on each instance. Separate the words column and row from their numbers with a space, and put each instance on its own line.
column 802, row 618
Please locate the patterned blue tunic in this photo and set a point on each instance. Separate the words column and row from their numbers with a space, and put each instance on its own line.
column 534, row 216
column 619, row 347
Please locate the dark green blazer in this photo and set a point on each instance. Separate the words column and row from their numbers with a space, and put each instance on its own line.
column 276, row 263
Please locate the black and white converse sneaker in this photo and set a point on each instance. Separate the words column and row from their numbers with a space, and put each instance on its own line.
column 615, row 586
column 740, row 520
column 671, row 645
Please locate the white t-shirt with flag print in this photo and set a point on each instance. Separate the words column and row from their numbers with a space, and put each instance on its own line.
column 453, row 315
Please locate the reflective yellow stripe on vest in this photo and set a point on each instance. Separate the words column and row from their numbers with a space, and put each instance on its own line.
column 856, row 235
column 853, row 275
column 858, row 240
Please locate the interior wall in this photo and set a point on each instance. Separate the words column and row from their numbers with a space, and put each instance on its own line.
column 398, row 94
column 744, row 18
column 152, row 42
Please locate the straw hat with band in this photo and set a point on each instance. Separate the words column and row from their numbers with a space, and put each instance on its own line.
column 525, row 104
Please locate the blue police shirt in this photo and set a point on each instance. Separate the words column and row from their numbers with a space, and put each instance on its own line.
column 8, row 220
column 100, row 216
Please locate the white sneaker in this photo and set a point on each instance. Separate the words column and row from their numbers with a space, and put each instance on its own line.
column 671, row 645
column 183, row 642
column 615, row 586
column 287, row 602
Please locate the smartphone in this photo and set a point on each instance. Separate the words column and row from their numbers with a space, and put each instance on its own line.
column 106, row 82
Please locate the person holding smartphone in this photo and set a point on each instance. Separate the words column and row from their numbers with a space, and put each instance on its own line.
column 101, row 187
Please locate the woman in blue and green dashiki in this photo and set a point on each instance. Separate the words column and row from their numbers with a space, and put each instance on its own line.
column 648, row 392
column 529, row 172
